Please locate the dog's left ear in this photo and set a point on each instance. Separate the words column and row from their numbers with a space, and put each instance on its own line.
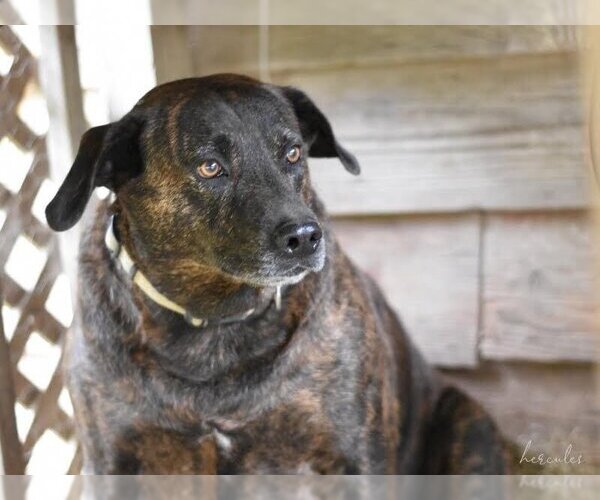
column 317, row 132
column 108, row 155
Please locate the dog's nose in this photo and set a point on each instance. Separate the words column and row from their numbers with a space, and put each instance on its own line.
column 298, row 240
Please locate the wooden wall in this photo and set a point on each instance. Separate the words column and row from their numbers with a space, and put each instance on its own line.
column 471, row 208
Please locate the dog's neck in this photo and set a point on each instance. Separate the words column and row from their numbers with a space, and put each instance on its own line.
column 247, row 348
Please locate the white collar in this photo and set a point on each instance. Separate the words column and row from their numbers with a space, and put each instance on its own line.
column 120, row 254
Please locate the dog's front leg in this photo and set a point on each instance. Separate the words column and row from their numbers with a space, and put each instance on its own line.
column 108, row 454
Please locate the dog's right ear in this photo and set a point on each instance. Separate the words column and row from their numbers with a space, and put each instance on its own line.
column 108, row 156
column 317, row 132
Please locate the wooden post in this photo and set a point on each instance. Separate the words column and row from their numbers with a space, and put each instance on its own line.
column 12, row 452
column 59, row 76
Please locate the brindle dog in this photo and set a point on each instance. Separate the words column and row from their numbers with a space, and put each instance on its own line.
column 284, row 357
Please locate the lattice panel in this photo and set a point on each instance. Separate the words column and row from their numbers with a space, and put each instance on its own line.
column 36, row 297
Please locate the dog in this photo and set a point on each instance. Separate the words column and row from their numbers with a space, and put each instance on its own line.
column 220, row 327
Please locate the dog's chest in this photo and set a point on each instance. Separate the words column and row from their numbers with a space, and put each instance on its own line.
column 278, row 444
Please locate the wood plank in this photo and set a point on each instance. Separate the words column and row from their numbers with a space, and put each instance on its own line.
column 500, row 133
column 376, row 12
column 224, row 49
column 74, row 469
column 15, row 81
column 425, row 12
column 11, row 42
column 29, row 395
column 18, row 206
column 311, row 46
column 206, row 12
column 539, row 296
column 34, row 302
column 172, row 53
column 235, row 48
column 428, row 270
column 46, row 410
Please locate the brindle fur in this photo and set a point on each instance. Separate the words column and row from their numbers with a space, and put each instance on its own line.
column 330, row 383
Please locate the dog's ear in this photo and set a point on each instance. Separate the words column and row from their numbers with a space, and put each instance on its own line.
column 317, row 132
column 108, row 156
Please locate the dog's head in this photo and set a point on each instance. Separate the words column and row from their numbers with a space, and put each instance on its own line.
column 212, row 171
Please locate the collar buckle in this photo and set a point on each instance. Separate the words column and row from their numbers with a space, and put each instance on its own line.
column 195, row 322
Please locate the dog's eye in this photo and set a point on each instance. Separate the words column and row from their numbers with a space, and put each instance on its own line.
column 210, row 169
column 293, row 154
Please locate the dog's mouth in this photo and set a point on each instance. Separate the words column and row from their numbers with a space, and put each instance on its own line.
column 274, row 272
column 285, row 280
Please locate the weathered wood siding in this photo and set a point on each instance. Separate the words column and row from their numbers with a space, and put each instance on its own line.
column 498, row 286
column 428, row 267
column 236, row 48
column 470, row 211
column 538, row 295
